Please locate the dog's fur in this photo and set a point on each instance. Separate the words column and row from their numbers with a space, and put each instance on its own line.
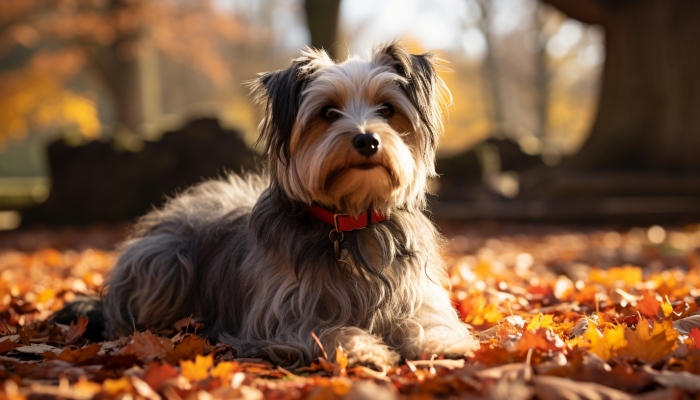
column 245, row 257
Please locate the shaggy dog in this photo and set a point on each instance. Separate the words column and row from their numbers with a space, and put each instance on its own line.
column 333, row 240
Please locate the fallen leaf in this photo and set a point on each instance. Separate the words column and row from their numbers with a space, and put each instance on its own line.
column 341, row 362
column 113, row 387
column 38, row 348
column 649, row 306
column 555, row 388
column 540, row 321
column 157, row 373
column 8, row 343
column 541, row 339
column 81, row 354
column 76, row 330
column 685, row 325
column 187, row 349
column 604, row 344
column 145, row 345
column 695, row 335
column 197, row 370
column 649, row 345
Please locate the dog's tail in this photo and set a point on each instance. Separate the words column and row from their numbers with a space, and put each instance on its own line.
column 90, row 307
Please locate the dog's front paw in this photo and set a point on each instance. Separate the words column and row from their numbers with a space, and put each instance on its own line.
column 375, row 356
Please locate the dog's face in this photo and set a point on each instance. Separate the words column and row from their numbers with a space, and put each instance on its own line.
column 353, row 136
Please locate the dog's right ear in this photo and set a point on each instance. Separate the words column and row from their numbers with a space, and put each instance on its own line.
column 280, row 92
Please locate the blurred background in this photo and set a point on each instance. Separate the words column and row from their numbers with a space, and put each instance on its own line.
column 564, row 111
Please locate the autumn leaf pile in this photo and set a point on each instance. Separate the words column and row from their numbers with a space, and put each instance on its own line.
column 561, row 314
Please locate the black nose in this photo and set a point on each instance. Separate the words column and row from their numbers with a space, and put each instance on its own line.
column 366, row 143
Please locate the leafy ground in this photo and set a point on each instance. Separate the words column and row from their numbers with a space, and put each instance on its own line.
column 562, row 314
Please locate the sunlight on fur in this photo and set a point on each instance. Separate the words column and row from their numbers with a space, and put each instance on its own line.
column 245, row 256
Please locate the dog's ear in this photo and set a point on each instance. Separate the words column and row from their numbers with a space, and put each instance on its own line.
column 280, row 92
column 422, row 85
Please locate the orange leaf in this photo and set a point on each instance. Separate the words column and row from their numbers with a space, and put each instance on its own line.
column 649, row 345
column 541, row 339
column 197, row 370
column 649, row 306
column 157, row 373
column 341, row 362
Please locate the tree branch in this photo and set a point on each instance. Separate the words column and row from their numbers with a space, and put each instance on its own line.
column 588, row 11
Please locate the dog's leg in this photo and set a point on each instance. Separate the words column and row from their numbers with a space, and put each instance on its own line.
column 438, row 330
column 360, row 347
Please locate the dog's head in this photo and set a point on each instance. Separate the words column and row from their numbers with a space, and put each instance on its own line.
column 356, row 135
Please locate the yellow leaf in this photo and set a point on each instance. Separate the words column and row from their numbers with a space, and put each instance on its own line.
column 666, row 307
column 197, row 370
column 540, row 321
column 341, row 385
column 112, row 387
column 604, row 344
column 224, row 369
column 649, row 345
column 341, row 361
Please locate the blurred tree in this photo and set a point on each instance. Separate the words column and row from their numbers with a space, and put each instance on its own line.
column 110, row 38
column 648, row 117
column 322, row 19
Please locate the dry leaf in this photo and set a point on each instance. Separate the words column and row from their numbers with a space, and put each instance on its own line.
column 555, row 388
column 187, row 349
column 605, row 344
column 197, row 370
column 81, row 354
column 76, row 330
column 649, row 345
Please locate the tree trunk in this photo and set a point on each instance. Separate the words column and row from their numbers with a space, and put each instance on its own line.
column 322, row 19
column 648, row 117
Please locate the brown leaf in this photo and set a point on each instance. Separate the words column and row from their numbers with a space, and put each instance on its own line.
column 555, row 388
column 81, row 354
column 76, row 330
column 685, row 325
column 187, row 349
column 145, row 345
column 8, row 344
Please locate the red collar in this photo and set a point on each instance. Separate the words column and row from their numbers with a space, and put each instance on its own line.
column 344, row 222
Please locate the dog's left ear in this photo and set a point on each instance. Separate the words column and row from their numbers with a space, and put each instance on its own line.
column 422, row 85
column 280, row 92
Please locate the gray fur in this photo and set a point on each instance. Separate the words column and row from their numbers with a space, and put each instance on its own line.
column 248, row 261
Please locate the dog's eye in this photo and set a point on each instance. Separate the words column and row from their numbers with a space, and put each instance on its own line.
column 385, row 110
column 330, row 113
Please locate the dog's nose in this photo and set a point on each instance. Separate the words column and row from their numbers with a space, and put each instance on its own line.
column 366, row 143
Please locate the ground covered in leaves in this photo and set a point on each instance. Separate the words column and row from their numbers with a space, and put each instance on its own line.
column 561, row 313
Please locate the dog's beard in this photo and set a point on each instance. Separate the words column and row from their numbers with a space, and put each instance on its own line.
column 327, row 169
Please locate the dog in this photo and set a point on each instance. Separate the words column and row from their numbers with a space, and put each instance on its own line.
column 332, row 241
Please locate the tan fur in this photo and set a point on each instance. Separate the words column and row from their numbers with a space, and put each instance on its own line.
column 245, row 257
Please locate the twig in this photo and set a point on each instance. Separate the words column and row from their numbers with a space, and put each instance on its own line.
column 313, row 334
